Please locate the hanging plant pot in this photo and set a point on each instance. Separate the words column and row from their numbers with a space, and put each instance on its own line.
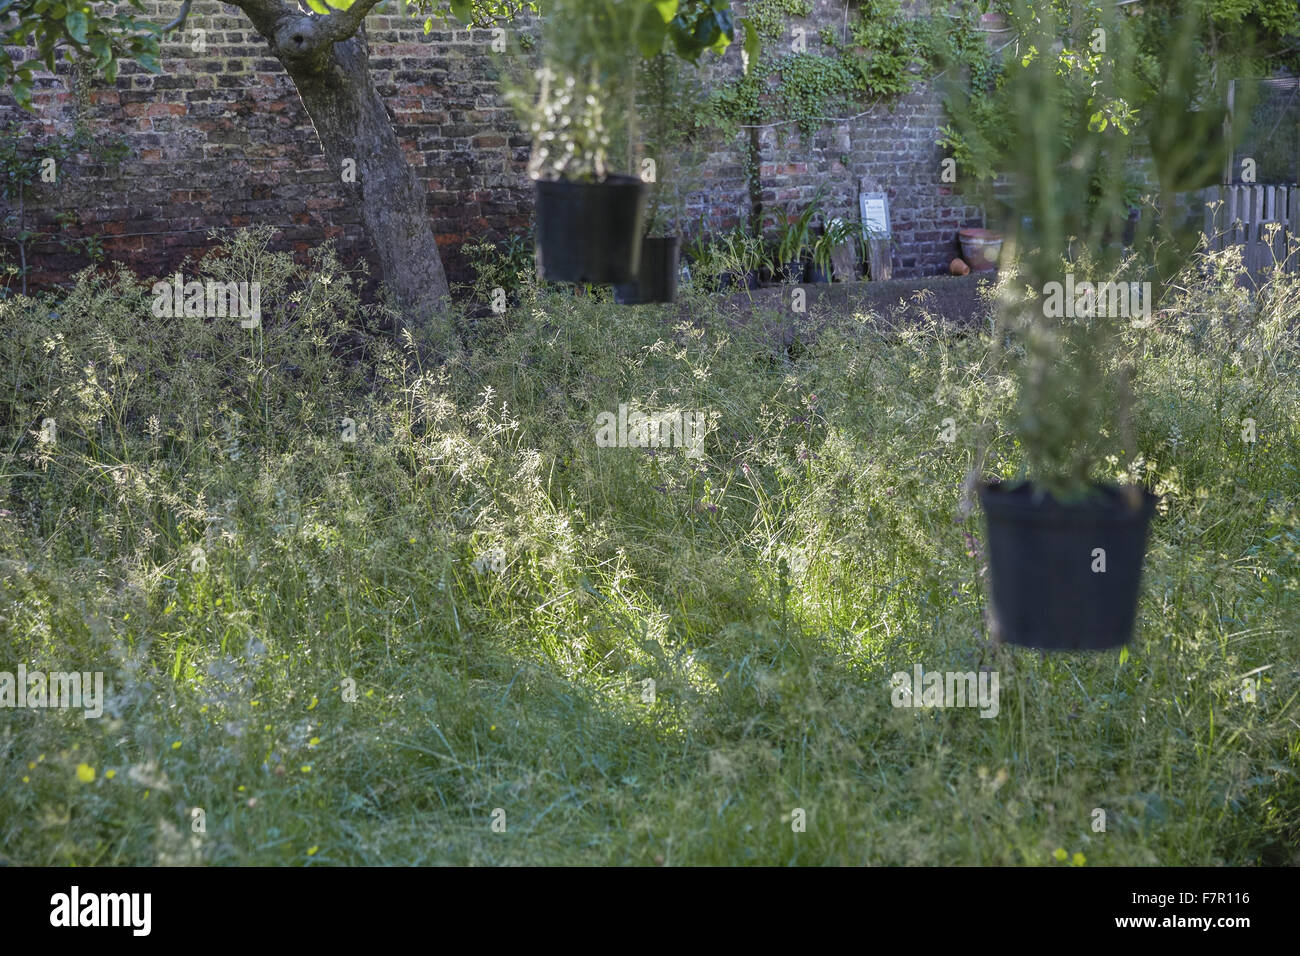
column 980, row 248
column 589, row 232
column 1065, row 576
column 656, row 276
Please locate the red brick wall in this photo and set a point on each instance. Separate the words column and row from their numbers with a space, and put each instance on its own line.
column 220, row 139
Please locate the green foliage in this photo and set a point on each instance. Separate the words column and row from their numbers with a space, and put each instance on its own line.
column 508, row 265
column 24, row 163
column 794, row 237
column 886, row 51
column 836, row 233
column 812, row 85
column 770, row 17
column 85, row 31
column 582, row 102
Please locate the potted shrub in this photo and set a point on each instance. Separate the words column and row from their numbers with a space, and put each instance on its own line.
column 1067, row 535
column 668, row 160
column 580, row 107
column 793, row 242
column 700, row 268
column 739, row 256
column 836, row 234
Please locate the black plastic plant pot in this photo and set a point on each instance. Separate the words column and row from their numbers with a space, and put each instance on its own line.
column 817, row 274
column 740, row 280
column 656, row 277
column 590, row 232
column 1065, row 577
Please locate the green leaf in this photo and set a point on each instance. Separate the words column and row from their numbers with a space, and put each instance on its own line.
column 650, row 36
column 103, row 51
column 76, row 24
column 749, row 52
column 667, row 9
column 318, row 7
column 463, row 10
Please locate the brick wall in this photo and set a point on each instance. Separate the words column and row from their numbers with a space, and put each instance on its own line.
column 220, row 139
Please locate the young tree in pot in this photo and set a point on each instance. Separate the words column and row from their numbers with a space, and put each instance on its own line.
column 589, row 218
column 667, row 163
column 1066, row 546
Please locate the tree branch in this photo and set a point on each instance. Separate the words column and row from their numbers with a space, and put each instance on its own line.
column 180, row 19
column 300, row 36
column 343, row 24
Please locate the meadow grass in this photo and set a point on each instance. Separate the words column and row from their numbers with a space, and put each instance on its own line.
column 354, row 652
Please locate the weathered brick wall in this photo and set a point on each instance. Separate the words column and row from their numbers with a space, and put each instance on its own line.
column 220, row 139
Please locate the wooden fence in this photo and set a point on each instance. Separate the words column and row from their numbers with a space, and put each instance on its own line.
column 1264, row 220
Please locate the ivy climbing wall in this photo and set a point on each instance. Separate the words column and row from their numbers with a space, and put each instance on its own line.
column 220, row 140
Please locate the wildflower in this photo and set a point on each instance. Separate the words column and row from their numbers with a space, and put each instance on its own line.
column 1060, row 854
column 85, row 773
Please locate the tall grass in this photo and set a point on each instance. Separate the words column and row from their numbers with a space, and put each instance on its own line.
column 500, row 590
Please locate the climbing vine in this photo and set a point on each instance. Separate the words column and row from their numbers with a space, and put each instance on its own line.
column 878, row 54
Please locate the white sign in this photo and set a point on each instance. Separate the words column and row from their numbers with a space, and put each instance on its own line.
column 875, row 215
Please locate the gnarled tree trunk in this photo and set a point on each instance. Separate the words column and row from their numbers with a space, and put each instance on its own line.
column 328, row 60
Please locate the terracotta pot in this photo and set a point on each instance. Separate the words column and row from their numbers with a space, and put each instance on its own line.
column 980, row 248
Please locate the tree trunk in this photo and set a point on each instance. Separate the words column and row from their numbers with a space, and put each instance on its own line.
column 355, row 129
